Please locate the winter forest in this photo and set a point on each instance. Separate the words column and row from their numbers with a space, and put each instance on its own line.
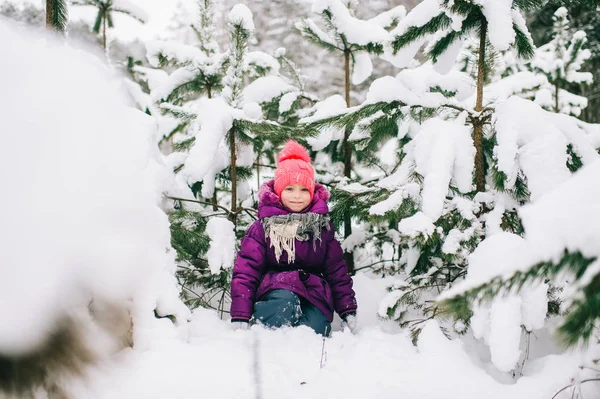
column 459, row 141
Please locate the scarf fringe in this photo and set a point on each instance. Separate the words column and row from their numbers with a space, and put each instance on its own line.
column 284, row 230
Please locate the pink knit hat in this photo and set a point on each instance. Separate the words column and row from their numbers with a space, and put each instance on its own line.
column 294, row 167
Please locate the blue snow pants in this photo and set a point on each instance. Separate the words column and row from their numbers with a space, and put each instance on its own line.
column 284, row 308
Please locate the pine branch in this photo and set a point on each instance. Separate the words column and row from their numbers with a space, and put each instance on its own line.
column 313, row 37
column 528, row 5
column 129, row 13
column 178, row 112
column 581, row 317
column 57, row 15
column 199, row 202
column 413, row 33
column 472, row 21
column 98, row 22
column 523, row 43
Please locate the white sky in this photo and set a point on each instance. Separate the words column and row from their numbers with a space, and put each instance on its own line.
column 159, row 11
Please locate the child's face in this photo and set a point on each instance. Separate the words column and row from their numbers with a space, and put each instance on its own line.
column 296, row 197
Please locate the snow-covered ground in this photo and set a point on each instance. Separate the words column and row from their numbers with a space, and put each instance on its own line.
column 380, row 361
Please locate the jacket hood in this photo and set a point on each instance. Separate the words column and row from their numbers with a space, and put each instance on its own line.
column 269, row 203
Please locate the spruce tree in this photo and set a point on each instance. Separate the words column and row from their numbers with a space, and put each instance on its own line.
column 584, row 16
column 560, row 61
column 354, row 39
column 104, row 17
column 455, row 181
column 214, row 155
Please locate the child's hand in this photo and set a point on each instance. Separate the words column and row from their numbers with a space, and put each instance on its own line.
column 239, row 325
column 349, row 322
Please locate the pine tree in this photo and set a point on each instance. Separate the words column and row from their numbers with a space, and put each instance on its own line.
column 106, row 8
column 583, row 16
column 215, row 154
column 560, row 61
column 354, row 39
column 195, row 70
column 455, row 181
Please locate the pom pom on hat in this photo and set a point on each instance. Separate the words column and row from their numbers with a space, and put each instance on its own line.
column 294, row 168
column 293, row 150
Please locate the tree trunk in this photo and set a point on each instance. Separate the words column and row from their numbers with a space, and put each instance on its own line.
column 104, row 30
column 257, row 172
column 347, row 148
column 214, row 200
column 477, row 121
column 233, row 216
column 556, row 89
column 49, row 14
column 348, row 256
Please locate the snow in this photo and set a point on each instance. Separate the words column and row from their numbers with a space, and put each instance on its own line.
column 516, row 84
column 418, row 16
column 241, row 15
column 252, row 110
column 498, row 14
column 331, row 106
column 172, row 51
column 221, row 253
column 388, row 89
column 154, row 77
column 443, row 150
column 355, row 188
column 403, row 57
column 173, row 81
column 394, row 201
column 535, row 141
column 362, row 67
column 355, row 30
column 266, row 88
column 452, row 241
column 287, row 100
column 320, row 33
column 387, row 18
column 499, row 322
column 130, row 8
column 358, row 237
column 446, row 61
column 215, row 118
column 380, row 361
column 416, row 225
column 566, row 218
column 262, row 60
column 87, row 222
column 505, row 332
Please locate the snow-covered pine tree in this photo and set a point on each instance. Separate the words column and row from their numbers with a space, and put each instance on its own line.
column 354, row 39
column 550, row 76
column 183, row 73
column 106, row 8
column 560, row 60
column 57, row 15
column 584, row 16
column 449, row 135
column 214, row 157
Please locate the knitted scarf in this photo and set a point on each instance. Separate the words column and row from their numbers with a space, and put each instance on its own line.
column 284, row 230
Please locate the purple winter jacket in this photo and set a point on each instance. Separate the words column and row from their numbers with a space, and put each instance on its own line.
column 256, row 270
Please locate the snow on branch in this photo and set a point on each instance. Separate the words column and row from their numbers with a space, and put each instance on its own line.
column 130, row 9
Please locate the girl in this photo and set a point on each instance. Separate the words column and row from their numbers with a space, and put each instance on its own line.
column 290, row 269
